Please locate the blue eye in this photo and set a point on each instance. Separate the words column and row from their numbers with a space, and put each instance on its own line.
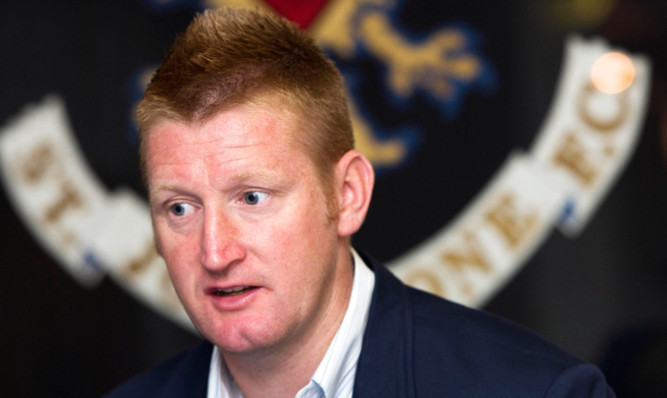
column 254, row 197
column 180, row 209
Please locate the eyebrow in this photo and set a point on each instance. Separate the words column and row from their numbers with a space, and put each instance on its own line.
column 162, row 188
column 255, row 175
column 240, row 178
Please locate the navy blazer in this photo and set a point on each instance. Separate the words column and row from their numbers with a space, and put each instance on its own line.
column 419, row 345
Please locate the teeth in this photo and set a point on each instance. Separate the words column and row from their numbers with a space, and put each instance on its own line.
column 232, row 291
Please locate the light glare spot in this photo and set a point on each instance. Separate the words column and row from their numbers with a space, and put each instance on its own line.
column 612, row 73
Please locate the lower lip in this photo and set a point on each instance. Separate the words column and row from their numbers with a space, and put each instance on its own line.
column 233, row 302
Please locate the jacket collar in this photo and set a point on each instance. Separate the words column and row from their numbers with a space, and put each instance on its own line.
column 385, row 362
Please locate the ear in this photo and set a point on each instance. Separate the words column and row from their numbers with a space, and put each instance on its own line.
column 355, row 179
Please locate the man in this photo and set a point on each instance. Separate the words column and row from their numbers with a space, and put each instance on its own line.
column 255, row 190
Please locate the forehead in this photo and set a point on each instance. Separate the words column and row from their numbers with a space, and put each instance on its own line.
column 234, row 147
column 238, row 128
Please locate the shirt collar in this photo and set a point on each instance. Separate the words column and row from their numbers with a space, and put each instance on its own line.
column 334, row 375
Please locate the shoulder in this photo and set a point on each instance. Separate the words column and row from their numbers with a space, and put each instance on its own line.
column 442, row 320
column 463, row 332
column 184, row 373
column 491, row 352
column 458, row 330
column 452, row 347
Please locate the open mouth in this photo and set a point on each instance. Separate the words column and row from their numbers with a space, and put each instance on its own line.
column 235, row 291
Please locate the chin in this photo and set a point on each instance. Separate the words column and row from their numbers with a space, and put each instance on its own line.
column 240, row 340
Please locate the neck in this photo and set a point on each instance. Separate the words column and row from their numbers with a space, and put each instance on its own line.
column 283, row 371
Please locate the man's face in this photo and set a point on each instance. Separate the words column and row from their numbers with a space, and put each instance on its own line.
column 241, row 221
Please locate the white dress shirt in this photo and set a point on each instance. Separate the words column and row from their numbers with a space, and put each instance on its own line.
column 334, row 376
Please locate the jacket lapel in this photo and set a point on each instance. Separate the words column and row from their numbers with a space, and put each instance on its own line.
column 190, row 378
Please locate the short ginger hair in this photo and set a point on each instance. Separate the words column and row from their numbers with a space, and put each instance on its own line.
column 232, row 57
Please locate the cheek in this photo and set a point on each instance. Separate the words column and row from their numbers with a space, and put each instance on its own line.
column 303, row 228
column 307, row 239
column 291, row 244
column 179, row 252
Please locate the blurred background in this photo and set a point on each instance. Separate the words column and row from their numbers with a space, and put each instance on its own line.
column 600, row 295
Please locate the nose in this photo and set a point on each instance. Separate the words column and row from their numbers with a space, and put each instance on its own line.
column 220, row 245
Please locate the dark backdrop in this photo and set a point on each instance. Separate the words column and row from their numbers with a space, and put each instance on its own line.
column 601, row 296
